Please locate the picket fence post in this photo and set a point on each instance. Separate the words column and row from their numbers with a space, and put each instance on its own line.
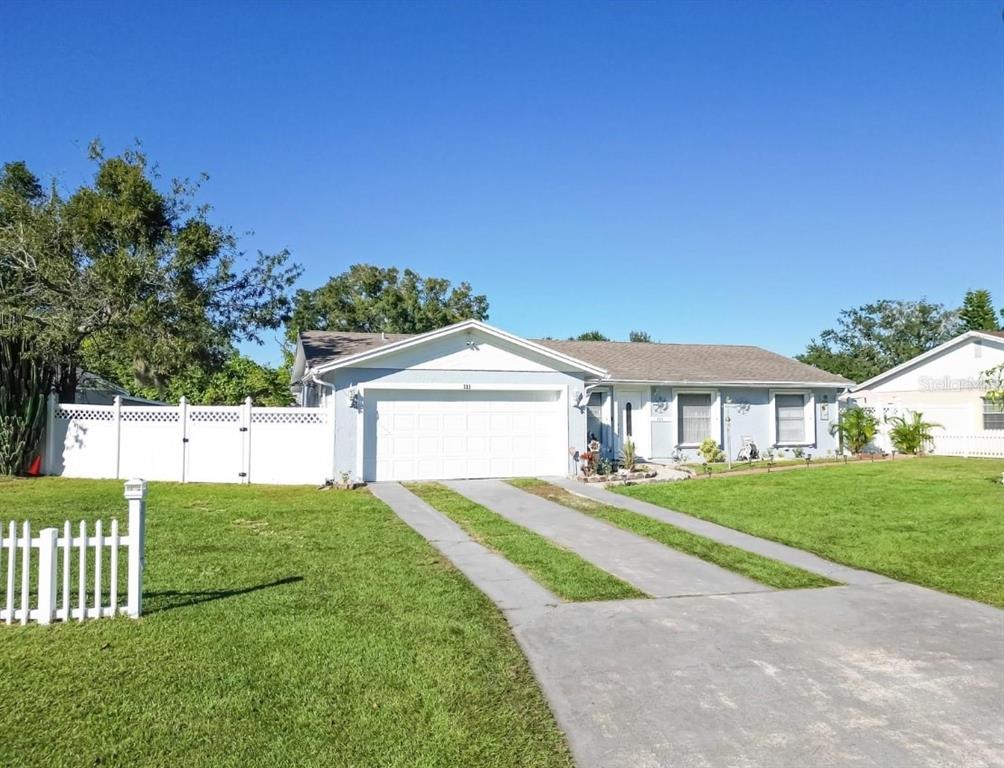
column 47, row 575
column 135, row 493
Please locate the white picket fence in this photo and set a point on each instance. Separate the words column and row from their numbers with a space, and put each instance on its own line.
column 54, row 567
column 969, row 445
column 191, row 443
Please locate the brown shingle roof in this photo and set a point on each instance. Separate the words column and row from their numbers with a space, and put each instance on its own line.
column 642, row 361
column 324, row 346
column 623, row 360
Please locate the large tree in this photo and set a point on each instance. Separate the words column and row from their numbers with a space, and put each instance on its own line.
column 123, row 271
column 641, row 336
column 876, row 337
column 372, row 299
column 977, row 312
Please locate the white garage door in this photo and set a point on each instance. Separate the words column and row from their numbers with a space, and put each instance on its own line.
column 440, row 435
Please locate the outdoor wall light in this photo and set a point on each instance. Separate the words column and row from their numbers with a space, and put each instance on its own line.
column 353, row 397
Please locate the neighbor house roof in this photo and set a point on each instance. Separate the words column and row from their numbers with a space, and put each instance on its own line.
column 623, row 360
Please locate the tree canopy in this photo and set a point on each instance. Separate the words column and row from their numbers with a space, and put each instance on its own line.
column 375, row 299
column 121, row 275
column 589, row 336
column 977, row 313
column 876, row 337
column 639, row 336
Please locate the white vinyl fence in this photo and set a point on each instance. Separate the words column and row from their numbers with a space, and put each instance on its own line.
column 57, row 558
column 969, row 445
column 191, row 443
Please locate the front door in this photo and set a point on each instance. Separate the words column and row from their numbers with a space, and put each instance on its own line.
column 629, row 419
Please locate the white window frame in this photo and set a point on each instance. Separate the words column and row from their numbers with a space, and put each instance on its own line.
column 716, row 414
column 809, row 409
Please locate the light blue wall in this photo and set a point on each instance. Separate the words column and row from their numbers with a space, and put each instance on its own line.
column 755, row 420
column 346, row 417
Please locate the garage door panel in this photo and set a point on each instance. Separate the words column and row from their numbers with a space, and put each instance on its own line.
column 430, row 434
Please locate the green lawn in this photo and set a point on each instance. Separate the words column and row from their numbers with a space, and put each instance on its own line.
column 561, row 571
column 282, row 627
column 722, row 467
column 756, row 567
column 933, row 521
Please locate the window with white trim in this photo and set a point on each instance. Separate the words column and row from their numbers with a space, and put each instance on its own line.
column 695, row 418
column 993, row 415
column 790, row 412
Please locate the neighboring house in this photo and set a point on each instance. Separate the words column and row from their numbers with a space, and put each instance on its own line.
column 944, row 384
column 470, row 400
column 95, row 390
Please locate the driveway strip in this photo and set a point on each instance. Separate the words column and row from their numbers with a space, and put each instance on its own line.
column 648, row 565
column 508, row 586
column 781, row 552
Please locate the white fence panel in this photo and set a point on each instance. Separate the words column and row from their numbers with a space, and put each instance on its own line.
column 86, row 440
column 41, row 599
column 289, row 445
column 150, row 442
column 191, row 443
column 969, row 445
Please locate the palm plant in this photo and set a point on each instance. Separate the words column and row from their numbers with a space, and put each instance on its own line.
column 911, row 435
column 856, row 428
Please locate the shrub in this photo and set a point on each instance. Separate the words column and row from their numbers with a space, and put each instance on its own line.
column 710, row 451
column 911, row 435
column 856, row 427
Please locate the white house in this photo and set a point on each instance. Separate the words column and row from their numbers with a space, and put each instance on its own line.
column 946, row 385
column 471, row 400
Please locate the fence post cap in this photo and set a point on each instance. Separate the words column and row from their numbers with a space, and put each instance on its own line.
column 135, row 488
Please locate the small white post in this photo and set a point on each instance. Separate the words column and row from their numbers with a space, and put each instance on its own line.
column 117, row 411
column 135, row 493
column 11, row 562
column 99, row 551
column 183, row 420
column 52, row 403
column 25, row 569
column 47, row 575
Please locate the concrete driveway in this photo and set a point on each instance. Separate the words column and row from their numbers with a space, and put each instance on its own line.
column 876, row 673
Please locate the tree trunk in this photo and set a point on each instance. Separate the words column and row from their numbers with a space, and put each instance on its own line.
column 66, row 387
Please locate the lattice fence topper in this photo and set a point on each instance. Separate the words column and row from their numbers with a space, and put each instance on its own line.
column 148, row 415
column 293, row 417
column 84, row 414
column 224, row 417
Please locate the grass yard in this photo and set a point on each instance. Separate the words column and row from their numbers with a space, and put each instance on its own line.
column 282, row 627
column 753, row 566
column 933, row 521
column 561, row 571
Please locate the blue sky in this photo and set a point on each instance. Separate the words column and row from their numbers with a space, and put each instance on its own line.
column 706, row 172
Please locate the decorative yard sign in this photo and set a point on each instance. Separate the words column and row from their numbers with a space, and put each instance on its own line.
column 96, row 596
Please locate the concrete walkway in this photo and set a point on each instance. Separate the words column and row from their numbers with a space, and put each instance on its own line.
column 797, row 557
column 878, row 675
column 648, row 565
